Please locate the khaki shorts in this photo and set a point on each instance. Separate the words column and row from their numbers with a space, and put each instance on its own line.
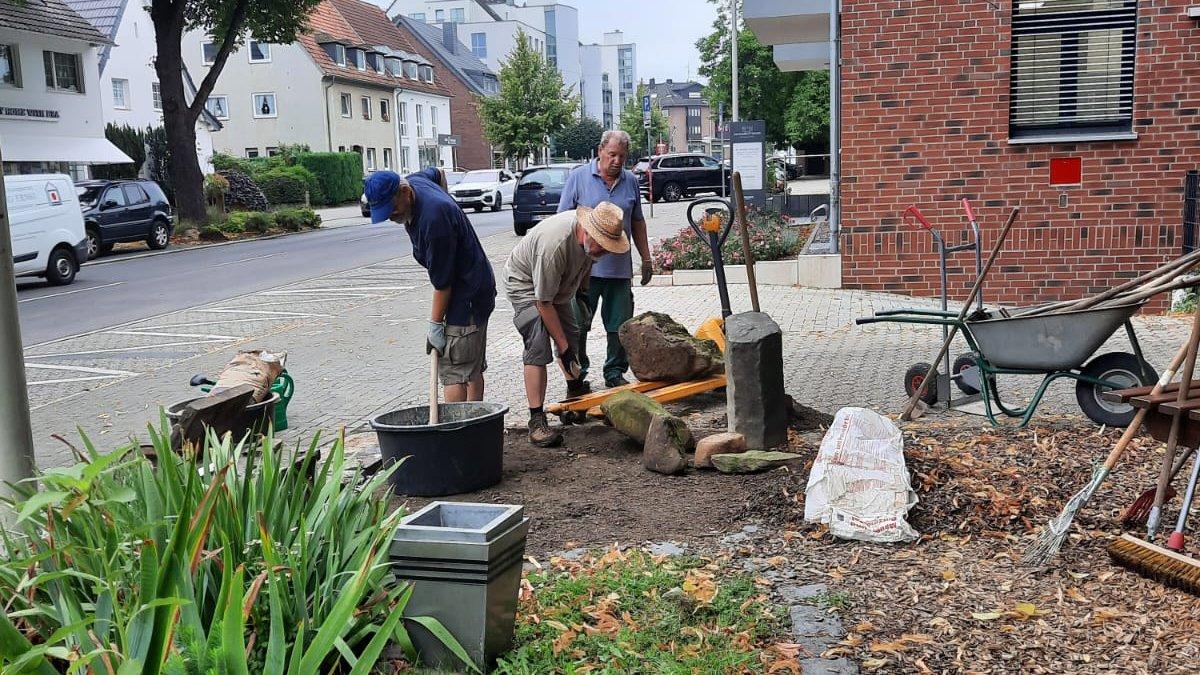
column 466, row 354
column 538, row 350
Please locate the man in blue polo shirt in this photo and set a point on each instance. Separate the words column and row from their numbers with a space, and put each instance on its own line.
column 464, row 287
column 605, row 179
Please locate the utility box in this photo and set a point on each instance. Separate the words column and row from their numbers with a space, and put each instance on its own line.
column 464, row 561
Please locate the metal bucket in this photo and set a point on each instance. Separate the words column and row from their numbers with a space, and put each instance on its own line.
column 1049, row 342
column 463, row 453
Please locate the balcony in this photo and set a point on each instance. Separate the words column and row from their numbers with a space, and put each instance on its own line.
column 797, row 29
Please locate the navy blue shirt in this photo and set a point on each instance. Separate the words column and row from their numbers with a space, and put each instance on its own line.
column 446, row 245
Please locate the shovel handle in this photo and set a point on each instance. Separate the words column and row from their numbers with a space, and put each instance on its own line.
column 434, row 417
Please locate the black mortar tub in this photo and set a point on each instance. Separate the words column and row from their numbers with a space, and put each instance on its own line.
column 462, row 453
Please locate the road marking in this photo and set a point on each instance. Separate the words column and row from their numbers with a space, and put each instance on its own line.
column 120, row 349
column 80, row 369
column 189, row 324
column 66, row 380
column 336, row 289
column 78, row 290
column 235, row 262
column 264, row 312
column 180, row 335
column 369, row 236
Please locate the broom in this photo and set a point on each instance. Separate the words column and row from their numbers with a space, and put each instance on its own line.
column 1156, row 562
column 1138, row 512
column 1052, row 537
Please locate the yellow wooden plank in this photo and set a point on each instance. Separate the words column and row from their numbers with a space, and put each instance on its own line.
column 581, row 403
column 675, row 392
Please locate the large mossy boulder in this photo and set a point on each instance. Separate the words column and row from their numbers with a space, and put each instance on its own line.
column 661, row 350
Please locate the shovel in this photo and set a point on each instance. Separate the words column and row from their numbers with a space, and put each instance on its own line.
column 434, row 417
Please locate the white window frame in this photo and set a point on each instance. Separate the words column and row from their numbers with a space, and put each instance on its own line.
column 14, row 65
column 347, row 104
column 364, row 104
column 402, row 117
column 251, row 153
column 423, row 71
column 411, row 70
column 385, row 110
column 479, row 50
column 417, row 16
column 420, row 112
column 254, row 102
column 433, row 131
column 387, row 158
column 370, row 159
column 122, row 84
column 272, row 151
column 226, row 100
column 156, row 96
column 204, row 56
column 404, row 164
column 458, row 15
column 265, row 47
column 439, row 15
column 339, row 50
column 79, row 74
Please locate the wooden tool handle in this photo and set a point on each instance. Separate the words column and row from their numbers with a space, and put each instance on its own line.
column 434, row 417
column 739, row 199
column 933, row 369
column 1189, row 366
column 1135, row 426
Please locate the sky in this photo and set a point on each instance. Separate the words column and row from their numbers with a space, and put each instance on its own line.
column 665, row 31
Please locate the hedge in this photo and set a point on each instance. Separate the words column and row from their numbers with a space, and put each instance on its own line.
column 261, row 222
column 339, row 174
column 287, row 185
column 295, row 220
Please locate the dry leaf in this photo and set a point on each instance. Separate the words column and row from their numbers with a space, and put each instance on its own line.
column 700, row 586
column 948, row 574
column 985, row 616
column 563, row 641
column 557, row 625
column 874, row 664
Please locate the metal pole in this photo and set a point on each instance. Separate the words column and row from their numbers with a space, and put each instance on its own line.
column 835, row 127
column 649, row 178
column 721, row 138
column 733, row 11
column 16, row 432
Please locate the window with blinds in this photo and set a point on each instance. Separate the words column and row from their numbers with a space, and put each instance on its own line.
column 1072, row 66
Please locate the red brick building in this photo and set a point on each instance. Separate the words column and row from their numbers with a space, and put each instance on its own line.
column 982, row 99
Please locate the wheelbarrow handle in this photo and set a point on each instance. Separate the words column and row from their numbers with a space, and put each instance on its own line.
column 970, row 211
column 913, row 212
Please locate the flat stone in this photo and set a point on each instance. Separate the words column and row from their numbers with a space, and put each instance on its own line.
column 757, row 404
column 750, row 529
column 573, row 554
column 718, row 444
column 752, row 461
column 812, row 621
column 792, row 594
column 828, row 667
column 735, row 538
column 667, row 548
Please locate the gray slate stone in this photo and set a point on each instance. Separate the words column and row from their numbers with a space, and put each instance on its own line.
column 812, row 621
column 667, row 548
column 757, row 403
column 828, row 667
column 801, row 593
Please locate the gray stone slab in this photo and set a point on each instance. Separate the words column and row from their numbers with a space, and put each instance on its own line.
column 793, row 594
column 667, row 548
column 756, row 401
column 812, row 621
column 828, row 667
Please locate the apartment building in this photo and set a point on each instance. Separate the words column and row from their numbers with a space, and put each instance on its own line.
column 609, row 78
column 689, row 117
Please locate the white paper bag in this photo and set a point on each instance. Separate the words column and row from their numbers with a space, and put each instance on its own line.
column 859, row 485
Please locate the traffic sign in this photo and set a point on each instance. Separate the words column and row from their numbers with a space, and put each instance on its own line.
column 646, row 111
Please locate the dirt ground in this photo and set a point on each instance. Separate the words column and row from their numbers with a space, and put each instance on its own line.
column 957, row 600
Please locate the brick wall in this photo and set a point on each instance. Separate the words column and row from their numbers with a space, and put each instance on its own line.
column 925, row 99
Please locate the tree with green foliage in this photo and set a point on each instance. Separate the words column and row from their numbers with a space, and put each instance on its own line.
column 764, row 91
column 580, row 139
column 230, row 23
column 130, row 141
column 532, row 104
column 631, row 121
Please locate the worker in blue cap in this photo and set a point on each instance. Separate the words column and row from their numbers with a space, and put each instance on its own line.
column 464, row 287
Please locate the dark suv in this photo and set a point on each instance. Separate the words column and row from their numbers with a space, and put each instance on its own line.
column 537, row 194
column 116, row 211
column 675, row 176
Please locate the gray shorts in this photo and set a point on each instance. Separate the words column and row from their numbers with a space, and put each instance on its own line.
column 466, row 354
column 538, row 351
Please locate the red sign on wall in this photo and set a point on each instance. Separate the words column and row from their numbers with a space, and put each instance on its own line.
column 1066, row 171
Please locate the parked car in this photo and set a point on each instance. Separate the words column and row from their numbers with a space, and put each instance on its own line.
column 116, row 211
column 492, row 188
column 675, row 176
column 46, row 224
column 537, row 194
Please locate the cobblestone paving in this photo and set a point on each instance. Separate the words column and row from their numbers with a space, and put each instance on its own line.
column 355, row 344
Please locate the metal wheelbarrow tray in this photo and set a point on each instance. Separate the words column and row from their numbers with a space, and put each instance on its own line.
column 1051, row 345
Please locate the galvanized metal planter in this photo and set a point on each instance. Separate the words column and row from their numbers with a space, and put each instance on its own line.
column 465, row 562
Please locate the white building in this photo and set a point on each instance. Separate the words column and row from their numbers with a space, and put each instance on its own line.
column 491, row 35
column 352, row 82
column 50, row 93
column 128, row 82
column 609, row 77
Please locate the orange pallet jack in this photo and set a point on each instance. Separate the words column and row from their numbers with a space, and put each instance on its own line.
column 578, row 409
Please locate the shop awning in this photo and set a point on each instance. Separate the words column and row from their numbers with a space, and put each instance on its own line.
column 34, row 147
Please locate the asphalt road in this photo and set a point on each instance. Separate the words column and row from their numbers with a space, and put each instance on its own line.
column 129, row 286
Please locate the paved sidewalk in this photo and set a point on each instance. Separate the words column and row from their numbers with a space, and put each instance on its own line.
column 355, row 344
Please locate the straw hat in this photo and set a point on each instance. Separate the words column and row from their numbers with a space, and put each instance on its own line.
column 604, row 224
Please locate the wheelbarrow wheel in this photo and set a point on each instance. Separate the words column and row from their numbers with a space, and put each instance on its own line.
column 1121, row 368
column 913, row 379
column 960, row 364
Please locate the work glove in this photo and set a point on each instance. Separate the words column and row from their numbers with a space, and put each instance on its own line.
column 435, row 339
column 647, row 271
column 570, row 363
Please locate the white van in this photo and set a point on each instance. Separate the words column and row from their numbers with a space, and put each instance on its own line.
column 48, row 239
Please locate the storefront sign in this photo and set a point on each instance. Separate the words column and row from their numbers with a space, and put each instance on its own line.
column 749, row 159
column 36, row 114
column 448, row 140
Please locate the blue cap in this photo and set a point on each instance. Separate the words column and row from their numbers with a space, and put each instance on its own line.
column 380, row 189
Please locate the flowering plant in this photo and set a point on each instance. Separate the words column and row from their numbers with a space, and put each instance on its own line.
column 770, row 239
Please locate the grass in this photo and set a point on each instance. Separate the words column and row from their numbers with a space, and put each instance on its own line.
column 632, row 612
column 836, row 600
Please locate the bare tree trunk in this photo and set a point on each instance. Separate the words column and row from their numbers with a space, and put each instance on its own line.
column 178, row 117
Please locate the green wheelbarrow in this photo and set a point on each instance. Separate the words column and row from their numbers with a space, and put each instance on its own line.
column 283, row 385
column 1053, row 346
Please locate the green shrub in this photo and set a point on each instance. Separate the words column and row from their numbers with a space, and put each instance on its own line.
column 216, row 560
column 338, row 173
column 287, row 185
column 224, row 162
column 295, row 220
column 770, row 239
column 215, row 184
column 259, row 222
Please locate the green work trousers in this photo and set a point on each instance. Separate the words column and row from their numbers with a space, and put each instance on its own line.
column 614, row 298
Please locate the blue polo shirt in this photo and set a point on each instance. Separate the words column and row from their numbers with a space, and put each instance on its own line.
column 586, row 187
column 446, row 245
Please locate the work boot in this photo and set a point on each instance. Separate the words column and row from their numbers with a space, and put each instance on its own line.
column 614, row 382
column 540, row 433
column 578, row 387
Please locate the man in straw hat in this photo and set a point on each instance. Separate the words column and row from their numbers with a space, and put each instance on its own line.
column 542, row 275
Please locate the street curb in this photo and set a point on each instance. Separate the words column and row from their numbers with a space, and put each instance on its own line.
column 184, row 249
